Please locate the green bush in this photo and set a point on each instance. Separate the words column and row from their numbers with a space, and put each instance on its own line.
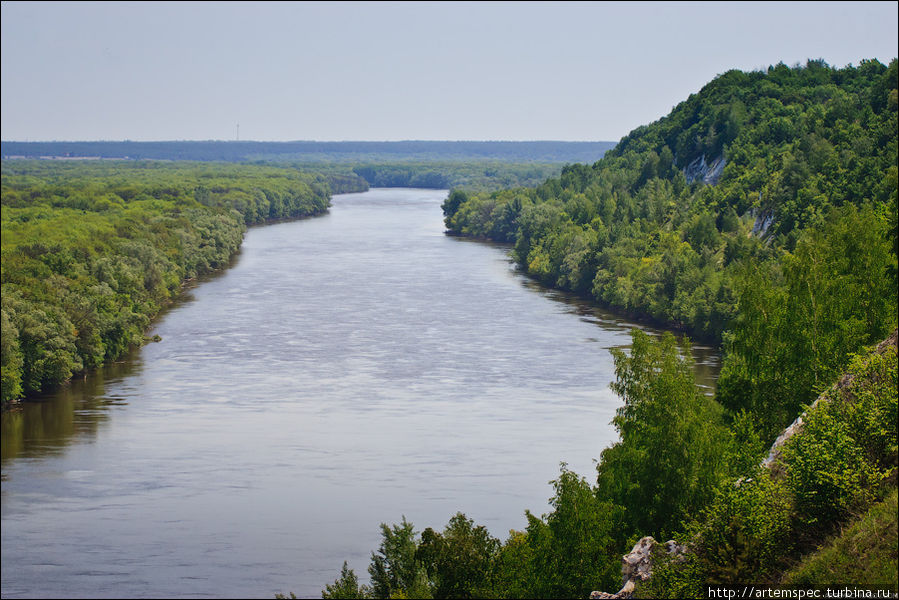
column 847, row 447
column 458, row 560
column 745, row 530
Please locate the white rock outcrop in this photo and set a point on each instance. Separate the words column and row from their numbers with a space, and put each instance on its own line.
column 708, row 173
column 636, row 566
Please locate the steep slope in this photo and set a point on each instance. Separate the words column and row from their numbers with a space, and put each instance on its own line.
column 661, row 225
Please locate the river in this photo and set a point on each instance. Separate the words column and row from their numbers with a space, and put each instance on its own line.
column 347, row 370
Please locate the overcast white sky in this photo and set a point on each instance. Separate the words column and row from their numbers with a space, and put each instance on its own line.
column 396, row 71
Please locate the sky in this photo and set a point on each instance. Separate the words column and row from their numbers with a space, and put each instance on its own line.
column 578, row 71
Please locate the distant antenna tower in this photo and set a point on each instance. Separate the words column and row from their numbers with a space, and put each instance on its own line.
column 238, row 132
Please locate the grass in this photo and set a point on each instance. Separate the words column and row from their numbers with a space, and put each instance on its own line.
column 863, row 553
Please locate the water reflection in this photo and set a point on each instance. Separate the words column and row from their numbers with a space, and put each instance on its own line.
column 45, row 425
column 76, row 410
column 706, row 358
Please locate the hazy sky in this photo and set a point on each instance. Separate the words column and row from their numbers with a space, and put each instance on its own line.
column 394, row 71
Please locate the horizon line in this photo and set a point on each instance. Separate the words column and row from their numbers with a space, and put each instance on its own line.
column 494, row 141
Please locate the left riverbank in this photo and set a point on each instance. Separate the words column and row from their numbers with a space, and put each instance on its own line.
column 92, row 251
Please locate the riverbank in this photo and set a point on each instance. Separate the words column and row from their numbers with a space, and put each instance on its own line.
column 92, row 252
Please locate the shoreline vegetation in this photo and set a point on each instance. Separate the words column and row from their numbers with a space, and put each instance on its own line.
column 92, row 252
column 761, row 213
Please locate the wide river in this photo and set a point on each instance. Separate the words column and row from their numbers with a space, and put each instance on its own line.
column 347, row 370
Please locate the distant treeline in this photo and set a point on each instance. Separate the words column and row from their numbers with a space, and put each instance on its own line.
column 309, row 151
column 92, row 251
column 471, row 175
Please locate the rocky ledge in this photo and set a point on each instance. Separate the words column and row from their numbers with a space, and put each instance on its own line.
column 636, row 566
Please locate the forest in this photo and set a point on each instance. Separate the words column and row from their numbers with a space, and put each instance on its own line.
column 471, row 175
column 761, row 215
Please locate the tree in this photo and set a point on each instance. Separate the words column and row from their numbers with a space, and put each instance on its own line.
column 10, row 361
column 453, row 202
column 458, row 560
column 673, row 441
column 346, row 586
column 798, row 324
column 575, row 548
column 394, row 569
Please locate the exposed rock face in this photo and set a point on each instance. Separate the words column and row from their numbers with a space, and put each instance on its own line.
column 762, row 223
column 636, row 566
column 708, row 173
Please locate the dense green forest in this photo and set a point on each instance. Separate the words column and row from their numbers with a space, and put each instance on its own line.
column 92, row 250
column 642, row 232
column 788, row 258
column 761, row 213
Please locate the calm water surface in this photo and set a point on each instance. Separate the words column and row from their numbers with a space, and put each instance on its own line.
column 348, row 370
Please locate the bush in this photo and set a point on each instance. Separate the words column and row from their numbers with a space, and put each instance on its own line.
column 848, row 445
column 745, row 530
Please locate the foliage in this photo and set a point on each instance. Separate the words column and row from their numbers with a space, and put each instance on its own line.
column 864, row 551
column 458, row 560
column 646, row 232
column 346, row 586
column 574, row 548
column 848, row 443
column 483, row 174
column 745, row 530
column 566, row 553
column 746, row 446
column 672, row 438
column 798, row 321
column 11, row 360
column 395, row 570
column 837, row 465
column 512, row 569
